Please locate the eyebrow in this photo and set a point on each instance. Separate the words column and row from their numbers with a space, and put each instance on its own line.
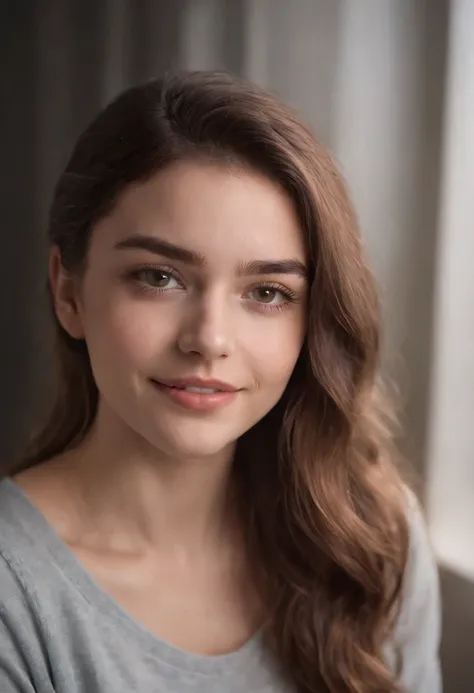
column 190, row 257
column 290, row 266
column 159, row 247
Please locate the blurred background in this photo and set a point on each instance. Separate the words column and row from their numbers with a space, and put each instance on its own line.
column 388, row 85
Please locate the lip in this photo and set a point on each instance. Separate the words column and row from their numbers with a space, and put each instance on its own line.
column 197, row 401
column 198, row 382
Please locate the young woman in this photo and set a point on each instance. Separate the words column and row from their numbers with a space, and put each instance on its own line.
column 212, row 505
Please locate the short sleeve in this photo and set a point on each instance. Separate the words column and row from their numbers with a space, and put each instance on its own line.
column 418, row 630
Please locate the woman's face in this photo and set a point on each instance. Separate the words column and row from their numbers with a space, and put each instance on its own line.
column 193, row 306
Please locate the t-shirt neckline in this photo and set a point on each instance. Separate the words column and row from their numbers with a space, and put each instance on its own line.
column 34, row 524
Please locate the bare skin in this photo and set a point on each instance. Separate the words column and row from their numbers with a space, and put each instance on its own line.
column 145, row 502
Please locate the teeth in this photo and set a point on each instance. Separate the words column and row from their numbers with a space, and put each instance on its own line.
column 201, row 390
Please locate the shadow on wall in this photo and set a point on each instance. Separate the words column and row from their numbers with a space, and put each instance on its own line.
column 457, row 649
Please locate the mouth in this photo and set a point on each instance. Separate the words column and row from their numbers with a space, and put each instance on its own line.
column 198, row 385
column 197, row 394
column 200, row 390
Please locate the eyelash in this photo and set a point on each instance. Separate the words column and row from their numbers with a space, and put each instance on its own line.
column 148, row 288
column 290, row 296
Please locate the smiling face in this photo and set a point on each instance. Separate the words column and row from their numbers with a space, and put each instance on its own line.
column 196, row 281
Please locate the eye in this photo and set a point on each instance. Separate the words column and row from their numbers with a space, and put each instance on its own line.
column 157, row 278
column 269, row 295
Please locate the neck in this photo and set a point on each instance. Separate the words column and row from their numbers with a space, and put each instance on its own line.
column 131, row 495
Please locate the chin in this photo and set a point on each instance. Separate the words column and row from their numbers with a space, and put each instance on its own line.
column 187, row 448
column 184, row 435
column 192, row 440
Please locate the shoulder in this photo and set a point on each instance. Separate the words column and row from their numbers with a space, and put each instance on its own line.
column 421, row 584
column 18, row 558
column 19, row 528
column 16, row 605
column 23, row 663
column 416, row 639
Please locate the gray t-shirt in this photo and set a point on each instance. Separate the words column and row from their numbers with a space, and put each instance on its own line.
column 61, row 633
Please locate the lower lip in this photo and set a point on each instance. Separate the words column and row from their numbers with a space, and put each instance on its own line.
column 197, row 400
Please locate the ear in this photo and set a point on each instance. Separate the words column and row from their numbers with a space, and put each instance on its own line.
column 64, row 290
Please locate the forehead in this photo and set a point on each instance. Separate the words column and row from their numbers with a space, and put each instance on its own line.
column 223, row 213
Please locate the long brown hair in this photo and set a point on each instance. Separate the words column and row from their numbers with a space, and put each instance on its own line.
column 324, row 503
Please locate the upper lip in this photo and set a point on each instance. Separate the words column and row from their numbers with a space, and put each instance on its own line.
column 197, row 382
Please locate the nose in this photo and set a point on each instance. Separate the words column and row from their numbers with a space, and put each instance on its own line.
column 208, row 330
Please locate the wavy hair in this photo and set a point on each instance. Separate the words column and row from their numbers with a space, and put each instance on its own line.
column 323, row 501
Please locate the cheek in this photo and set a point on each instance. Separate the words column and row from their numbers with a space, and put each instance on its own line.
column 275, row 351
column 127, row 332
